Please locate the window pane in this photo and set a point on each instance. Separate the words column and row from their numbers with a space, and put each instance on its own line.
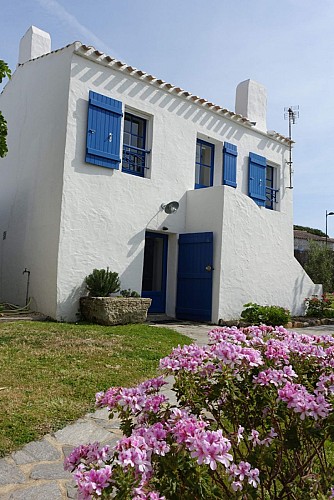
column 206, row 155
column 205, row 176
column 126, row 138
column 198, row 153
column 197, row 174
column 141, row 127
column 127, row 124
column 135, row 128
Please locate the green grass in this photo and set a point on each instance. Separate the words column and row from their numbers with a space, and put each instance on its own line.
column 50, row 372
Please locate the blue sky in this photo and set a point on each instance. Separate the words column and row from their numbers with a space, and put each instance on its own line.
column 209, row 47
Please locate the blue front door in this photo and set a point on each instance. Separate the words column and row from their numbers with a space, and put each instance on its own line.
column 155, row 271
column 194, row 279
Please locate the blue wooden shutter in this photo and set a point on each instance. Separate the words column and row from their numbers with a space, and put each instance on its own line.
column 257, row 178
column 230, row 165
column 103, row 131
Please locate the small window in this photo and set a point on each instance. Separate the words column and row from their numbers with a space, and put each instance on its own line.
column 271, row 191
column 134, row 145
column 204, row 164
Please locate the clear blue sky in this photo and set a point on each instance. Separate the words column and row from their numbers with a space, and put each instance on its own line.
column 208, row 47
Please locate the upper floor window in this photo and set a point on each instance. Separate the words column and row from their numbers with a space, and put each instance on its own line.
column 134, row 145
column 204, row 164
column 262, row 181
column 271, row 191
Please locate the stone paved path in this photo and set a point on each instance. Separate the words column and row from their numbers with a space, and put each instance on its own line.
column 36, row 471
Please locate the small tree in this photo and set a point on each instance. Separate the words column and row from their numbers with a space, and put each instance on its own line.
column 320, row 265
column 4, row 71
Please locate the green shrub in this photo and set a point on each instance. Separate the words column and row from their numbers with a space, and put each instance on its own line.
column 329, row 313
column 315, row 306
column 129, row 293
column 102, row 282
column 269, row 315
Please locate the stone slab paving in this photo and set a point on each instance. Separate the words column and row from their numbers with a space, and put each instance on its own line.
column 36, row 471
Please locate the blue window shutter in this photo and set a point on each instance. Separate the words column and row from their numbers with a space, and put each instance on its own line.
column 257, row 178
column 103, row 131
column 230, row 165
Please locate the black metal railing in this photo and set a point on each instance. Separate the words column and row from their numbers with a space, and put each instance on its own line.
column 134, row 160
column 271, row 197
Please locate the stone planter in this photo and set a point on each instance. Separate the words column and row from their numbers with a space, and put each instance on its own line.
column 114, row 310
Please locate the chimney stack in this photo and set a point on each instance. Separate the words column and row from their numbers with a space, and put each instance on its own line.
column 251, row 102
column 34, row 43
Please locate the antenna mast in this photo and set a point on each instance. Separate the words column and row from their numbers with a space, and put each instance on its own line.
column 291, row 113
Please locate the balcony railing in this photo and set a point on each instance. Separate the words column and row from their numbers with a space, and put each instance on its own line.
column 134, row 160
column 271, row 197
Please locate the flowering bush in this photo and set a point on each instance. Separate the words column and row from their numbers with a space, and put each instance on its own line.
column 316, row 307
column 254, row 420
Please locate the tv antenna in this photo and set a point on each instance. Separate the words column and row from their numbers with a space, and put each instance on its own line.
column 291, row 113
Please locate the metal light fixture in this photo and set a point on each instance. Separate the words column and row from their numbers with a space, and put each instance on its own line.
column 171, row 207
column 327, row 214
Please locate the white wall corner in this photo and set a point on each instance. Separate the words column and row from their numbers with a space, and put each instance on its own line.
column 251, row 102
column 34, row 43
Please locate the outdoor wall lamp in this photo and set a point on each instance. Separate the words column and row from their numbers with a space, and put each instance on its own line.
column 171, row 207
column 327, row 214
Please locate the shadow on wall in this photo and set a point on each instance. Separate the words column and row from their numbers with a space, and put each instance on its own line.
column 299, row 296
column 131, row 277
column 69, row 309
column 107, row 81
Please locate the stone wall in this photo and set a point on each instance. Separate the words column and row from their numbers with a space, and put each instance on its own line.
column 114, row 310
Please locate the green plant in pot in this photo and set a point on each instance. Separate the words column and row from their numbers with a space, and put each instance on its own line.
column 102, row 283
column 129, row 293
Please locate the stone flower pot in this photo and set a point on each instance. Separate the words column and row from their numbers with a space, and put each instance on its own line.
column 114, row 310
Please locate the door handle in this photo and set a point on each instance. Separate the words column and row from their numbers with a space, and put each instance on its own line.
column 208, row 268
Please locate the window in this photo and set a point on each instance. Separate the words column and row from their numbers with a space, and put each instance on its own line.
column 134, row 145
column 271, row 192
column 262, row 181
column 204, row 164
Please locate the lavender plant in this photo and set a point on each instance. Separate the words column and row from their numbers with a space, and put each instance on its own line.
column 254, row 420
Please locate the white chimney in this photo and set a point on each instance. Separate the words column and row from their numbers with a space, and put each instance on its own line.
column 34, row 43
column 251, row 102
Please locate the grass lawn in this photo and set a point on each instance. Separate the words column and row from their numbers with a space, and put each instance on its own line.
column 50, row 372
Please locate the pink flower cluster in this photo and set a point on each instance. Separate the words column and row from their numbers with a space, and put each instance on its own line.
column 136, row 399
column 93, row 481
column 255, row 439
column 90, row 454
column 275, row 377
column 136, row 451
column 208, row 447
column 240, row 472
column 301, row 401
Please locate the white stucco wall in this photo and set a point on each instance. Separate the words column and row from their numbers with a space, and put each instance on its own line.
column 64, row 217
column 105, row 212
column 257, row 256
column 34, row 104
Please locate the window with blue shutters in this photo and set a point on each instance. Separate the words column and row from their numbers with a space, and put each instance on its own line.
column 262, row 181
column 257, row 178
column 230, row 164
column 103, row 131
column 134, row 145
column 205, row 153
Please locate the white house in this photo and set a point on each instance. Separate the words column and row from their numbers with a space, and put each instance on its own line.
column 97, row 148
